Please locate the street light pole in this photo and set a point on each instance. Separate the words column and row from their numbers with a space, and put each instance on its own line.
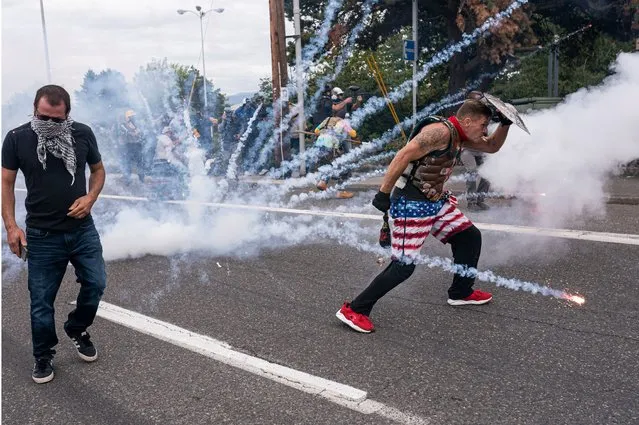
column 200, row 14
column 206, row 104
column 46, row 43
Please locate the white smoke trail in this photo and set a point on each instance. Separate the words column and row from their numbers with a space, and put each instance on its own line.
column 340, row 62
column 375, row 104
column 319, row 41
column 445, row 264
column 231, row 171
column 376, row 144
column 308, row 53
column 265, row 127
column 464, row 177
column 267, row 148
column 332, row 191
column 242, row 233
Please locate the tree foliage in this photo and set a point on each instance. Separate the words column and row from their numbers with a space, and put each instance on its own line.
column 519, row 41
column 443, row 21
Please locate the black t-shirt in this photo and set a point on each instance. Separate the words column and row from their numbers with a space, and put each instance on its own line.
column 49, row 192
column 324, row 110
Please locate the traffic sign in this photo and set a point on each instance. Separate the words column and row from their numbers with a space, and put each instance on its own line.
column 409, row 50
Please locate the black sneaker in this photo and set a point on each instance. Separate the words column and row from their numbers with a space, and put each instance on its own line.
column 83, row 344
column 42, row 370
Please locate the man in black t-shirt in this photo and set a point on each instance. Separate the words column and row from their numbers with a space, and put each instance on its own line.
column 52, row 152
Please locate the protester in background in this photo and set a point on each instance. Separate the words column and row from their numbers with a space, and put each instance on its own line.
column 52, row 151
column 341, row 106
column 333, row 135
column 132, row 144
column 168, row 158
column 475, row 192
column 324, row 107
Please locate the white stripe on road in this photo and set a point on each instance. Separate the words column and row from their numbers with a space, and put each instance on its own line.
column 586, row 235
column 341, row 394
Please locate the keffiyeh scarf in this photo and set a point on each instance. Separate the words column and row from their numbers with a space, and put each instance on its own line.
column 57, row 139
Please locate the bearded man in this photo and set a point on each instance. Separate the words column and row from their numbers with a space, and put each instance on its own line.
column 52, row 151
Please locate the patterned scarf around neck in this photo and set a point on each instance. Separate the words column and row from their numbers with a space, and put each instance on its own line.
column 57, row 139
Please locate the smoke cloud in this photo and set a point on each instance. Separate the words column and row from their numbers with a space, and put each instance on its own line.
column 563, row 165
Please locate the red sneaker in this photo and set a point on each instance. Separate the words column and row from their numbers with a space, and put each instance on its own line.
column 476, row 298
column 357, row 321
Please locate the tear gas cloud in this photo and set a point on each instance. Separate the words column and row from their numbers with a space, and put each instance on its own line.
column 572, row 148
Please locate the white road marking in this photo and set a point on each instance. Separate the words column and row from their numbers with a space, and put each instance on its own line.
column 586, row 235
column 344, row 395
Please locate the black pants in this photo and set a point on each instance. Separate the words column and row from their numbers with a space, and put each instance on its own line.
column 466, row 247
column 133, row 158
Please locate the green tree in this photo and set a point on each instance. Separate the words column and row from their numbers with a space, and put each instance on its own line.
column 190, row 90
column 443, row 21
column 584, row 60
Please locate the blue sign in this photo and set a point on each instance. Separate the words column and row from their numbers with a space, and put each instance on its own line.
column 409, row 50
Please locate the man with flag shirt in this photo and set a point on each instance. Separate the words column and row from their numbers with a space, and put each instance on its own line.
column 420, row 206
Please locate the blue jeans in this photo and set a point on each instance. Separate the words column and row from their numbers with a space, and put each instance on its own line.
column 49, row 255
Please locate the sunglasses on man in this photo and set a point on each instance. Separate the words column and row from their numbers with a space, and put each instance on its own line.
column 43, row 117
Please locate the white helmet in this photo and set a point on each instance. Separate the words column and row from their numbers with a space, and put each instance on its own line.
column 337, row 91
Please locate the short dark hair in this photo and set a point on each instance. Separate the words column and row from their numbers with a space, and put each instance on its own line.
column 474, row 107
column 55, row 95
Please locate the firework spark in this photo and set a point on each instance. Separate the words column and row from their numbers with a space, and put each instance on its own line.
column 577, row 299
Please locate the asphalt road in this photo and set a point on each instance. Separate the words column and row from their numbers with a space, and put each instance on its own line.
column 522, row 359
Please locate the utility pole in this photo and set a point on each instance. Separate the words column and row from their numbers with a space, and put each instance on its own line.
column 635, row 23
column 415, row 33
column 553, row 68
column 278, row 68
column 278, row 47
column 46, row 43
column 301, row 120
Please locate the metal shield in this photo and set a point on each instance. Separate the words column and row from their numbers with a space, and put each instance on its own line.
column 507, row 110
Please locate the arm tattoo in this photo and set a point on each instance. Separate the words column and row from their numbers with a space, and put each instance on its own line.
column 432, row 137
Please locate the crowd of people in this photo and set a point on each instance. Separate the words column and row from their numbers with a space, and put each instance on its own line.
column 152, row 150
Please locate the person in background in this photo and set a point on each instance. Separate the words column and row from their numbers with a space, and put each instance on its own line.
column 340, row 105
column 132, row 140
column 475, row 191
column 333, row 135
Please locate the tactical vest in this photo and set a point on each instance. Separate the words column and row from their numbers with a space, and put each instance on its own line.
column 430, row 172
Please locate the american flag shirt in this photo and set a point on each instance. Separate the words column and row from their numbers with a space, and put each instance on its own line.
column 413, row 221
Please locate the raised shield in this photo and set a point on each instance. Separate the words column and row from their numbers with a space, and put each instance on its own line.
column 507, row 110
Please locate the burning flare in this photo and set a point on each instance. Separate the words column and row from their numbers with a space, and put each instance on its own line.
column 577, row 299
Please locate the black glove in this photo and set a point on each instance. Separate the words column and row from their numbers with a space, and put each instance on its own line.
column 502, row 118
column 382, row 201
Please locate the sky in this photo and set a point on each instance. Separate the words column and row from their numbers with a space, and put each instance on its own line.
column 124, row 35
